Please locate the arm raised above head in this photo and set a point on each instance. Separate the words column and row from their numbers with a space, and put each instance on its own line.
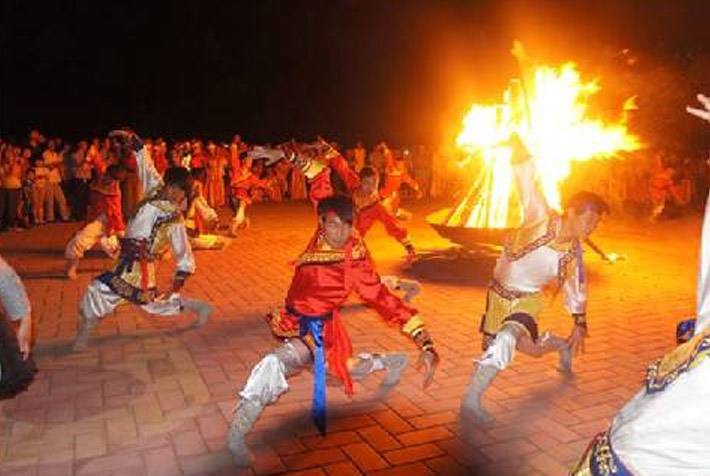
column 532, row 200
column 149, row 177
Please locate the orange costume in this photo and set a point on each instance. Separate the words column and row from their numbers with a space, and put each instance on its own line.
column 395, row 175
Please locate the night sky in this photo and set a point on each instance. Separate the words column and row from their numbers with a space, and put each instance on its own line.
column 401, row 70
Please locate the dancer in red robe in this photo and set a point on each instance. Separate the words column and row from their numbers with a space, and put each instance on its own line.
column 335, row 264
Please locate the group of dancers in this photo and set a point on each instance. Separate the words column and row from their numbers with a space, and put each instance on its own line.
column 662, row 430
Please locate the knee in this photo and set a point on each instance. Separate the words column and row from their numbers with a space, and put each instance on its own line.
column 294, row 356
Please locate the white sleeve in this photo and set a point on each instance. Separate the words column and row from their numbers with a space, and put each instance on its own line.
column 12, row 293
column 149, row 177
column 182, row 251
column 575, row 288
column 206, row 212
column 532, row 200
column 703, row 304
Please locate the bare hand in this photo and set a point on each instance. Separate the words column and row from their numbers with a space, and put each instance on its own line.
column 576, row 340
column 701, row 113
column 429, row 361
column 24, row 335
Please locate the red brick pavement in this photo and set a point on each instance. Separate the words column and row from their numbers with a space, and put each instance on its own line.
column 149, row 398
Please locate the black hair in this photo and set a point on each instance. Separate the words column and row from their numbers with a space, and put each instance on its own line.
column 587, row 201
column 178, row 177
column 368, row 172
column 340, row 205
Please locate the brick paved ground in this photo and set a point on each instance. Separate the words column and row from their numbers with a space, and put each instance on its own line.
column 151, row 399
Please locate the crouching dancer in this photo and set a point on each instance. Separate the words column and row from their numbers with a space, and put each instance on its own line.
column 545, row 250
column 335, row 263
column 156, row 225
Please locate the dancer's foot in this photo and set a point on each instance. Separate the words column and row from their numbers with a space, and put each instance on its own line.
column 241, row 455
column 472, row 409
column 245, row 415
column 201, row 308
column 82, row 337
column 471, row 406
column 565, row 364
column 394, row 365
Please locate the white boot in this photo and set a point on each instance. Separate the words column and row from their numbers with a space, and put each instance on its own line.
column 562, row 347
column 471, row 406
column 395, row 365
column 82, row 336
column 201, row 308
column 367, row 364
column 245, row 416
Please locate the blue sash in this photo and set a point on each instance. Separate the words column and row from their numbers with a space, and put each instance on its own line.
column 313, row 326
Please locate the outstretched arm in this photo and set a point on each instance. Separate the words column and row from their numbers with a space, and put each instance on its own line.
column 182, row 252
column 149, row 177
column 368, row 285
column 703, row 113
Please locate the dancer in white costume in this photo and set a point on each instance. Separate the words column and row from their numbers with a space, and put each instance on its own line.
column 156, row 226
column 664, row 430
column 545, row 250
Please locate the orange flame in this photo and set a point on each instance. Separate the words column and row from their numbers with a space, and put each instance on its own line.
column 552, row 120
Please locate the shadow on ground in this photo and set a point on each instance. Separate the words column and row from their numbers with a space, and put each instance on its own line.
column 455, row 266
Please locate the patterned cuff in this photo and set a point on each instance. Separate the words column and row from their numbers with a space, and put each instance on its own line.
column 423, row 340
column 580, row 319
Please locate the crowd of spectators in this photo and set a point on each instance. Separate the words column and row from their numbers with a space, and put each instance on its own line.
column 45, row 180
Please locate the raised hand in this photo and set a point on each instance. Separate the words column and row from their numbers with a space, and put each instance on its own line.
column 701, row 113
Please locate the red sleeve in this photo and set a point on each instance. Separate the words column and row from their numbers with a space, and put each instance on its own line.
column 367, row 284
column 392, row 225
column 320, row 187
column 341, row 167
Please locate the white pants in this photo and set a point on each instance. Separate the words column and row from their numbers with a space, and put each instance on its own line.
column 501, row 352
column 267, row 380
column 99, row 300
column 84, row 239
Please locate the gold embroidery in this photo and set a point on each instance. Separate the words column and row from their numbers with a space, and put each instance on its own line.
column 412, row 325
column 320, row 252
column 667, row 369
column 603, row 456
column 530, row 238
column 275, row 322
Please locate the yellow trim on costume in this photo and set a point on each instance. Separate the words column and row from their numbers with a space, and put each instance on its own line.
column 312, row 168
column 499, row 307
column 529, row 238
column 413, row 324
column 320, row 252
column 274, row 319
column 686, row 356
